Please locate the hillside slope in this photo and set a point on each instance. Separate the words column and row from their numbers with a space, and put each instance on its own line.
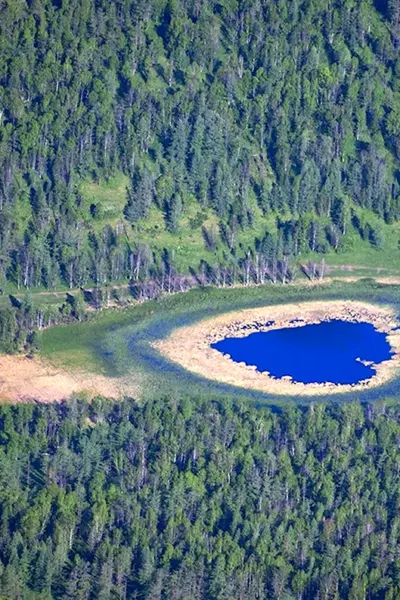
column 230, row 127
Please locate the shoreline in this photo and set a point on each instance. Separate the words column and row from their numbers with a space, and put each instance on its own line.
column 190, row 346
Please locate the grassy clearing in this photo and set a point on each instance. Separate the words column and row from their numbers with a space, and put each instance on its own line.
column 39, row 298
column 106, row 200
column 187, row 243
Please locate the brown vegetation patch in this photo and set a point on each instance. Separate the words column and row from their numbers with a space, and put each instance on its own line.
column 190, row 346
column 25, row 379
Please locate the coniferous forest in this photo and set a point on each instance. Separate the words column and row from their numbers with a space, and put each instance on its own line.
column 199, row 500
column 242, row 110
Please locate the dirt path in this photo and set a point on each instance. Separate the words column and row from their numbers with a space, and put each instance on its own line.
column 356, row 268
column 392, row 280
column 62, row 294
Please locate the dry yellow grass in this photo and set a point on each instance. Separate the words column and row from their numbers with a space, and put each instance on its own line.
column 23, row 380
column 190, row 346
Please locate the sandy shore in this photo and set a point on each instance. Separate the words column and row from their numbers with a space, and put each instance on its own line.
column 190, row 346
column 23, row 380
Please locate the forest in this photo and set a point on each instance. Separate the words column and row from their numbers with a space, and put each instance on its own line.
column 152, row 146
column 270, row 129
column 199, row 500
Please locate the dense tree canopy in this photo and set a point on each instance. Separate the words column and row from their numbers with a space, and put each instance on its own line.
column 193, row 500
column 292, row 108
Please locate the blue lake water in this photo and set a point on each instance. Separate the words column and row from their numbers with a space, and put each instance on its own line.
column 317, row 353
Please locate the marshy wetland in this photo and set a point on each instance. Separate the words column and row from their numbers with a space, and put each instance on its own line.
column 165, row 346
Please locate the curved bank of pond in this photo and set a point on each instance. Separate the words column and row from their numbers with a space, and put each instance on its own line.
column 200, row 347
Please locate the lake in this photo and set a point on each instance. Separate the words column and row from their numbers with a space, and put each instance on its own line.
column 316, row 353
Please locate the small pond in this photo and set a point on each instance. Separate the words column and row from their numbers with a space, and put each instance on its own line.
column 329, row 351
